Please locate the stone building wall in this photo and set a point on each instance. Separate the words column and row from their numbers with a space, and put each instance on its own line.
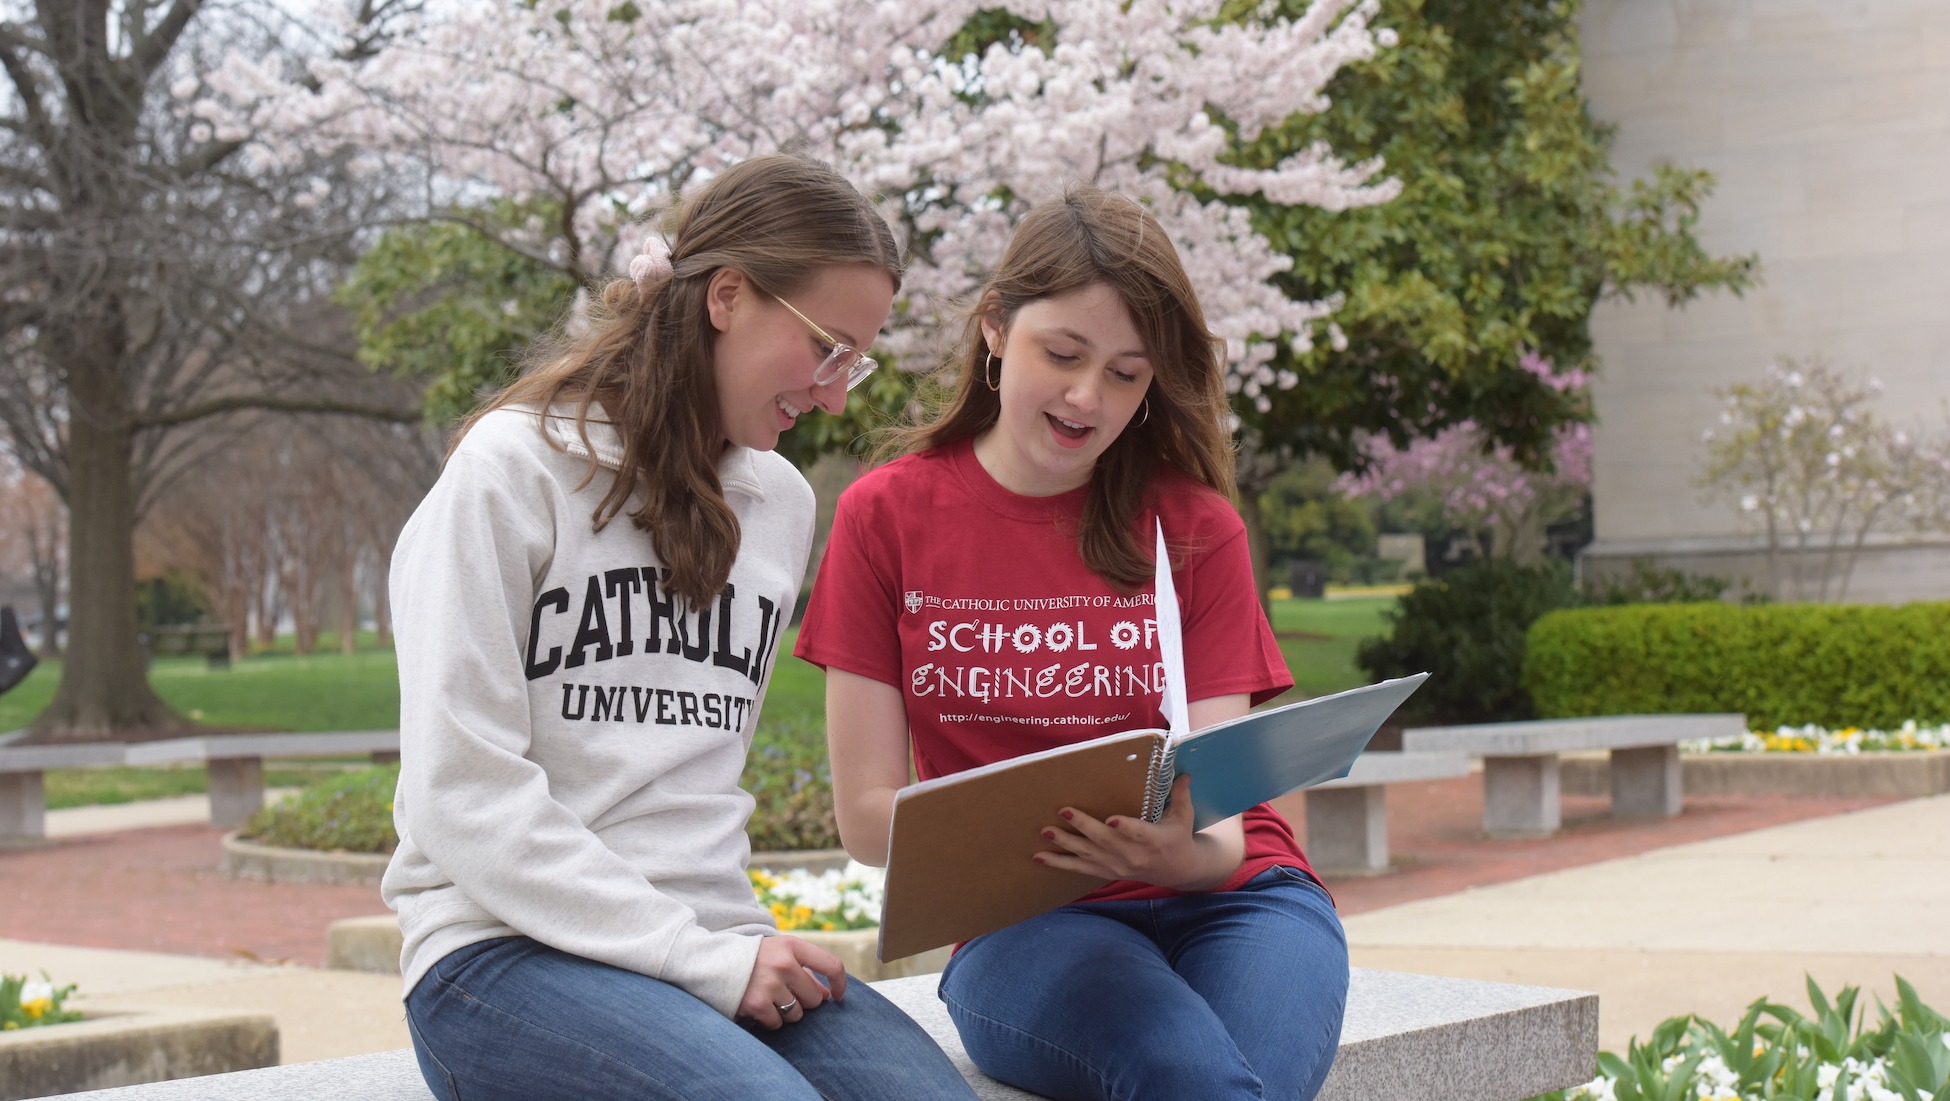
column 1828, row 126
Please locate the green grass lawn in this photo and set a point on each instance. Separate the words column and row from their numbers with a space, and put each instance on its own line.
column 324, row 691
column 333, row 691
column 1319, row 637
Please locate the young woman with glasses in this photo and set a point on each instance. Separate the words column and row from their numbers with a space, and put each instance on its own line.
column 588, row 604
column 988, row 594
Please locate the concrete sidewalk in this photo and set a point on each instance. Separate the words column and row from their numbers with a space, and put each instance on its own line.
column 182, row 810
column 1704, row 927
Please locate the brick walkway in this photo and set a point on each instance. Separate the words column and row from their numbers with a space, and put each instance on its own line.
column 159, row 889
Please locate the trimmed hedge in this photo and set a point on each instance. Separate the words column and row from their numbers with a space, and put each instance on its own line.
column 1836, row 665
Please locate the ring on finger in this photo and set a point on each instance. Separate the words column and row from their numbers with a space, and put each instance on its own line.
column 787, row 1007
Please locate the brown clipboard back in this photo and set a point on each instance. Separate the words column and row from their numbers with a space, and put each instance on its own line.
column 959, row 862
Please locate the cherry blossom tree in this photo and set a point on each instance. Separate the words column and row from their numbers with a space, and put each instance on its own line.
column 1804, row 456
column 592, row 114
column 1478, row 484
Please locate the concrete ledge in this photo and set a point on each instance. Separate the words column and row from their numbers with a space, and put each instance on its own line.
column 1538, row 736
column 23, row 800
column 1396, row 767
column 373, row 944
column 131, row 1048
column 1906, row 774
column 1406, row 1038
column 272, row 864
column 364, row 944
column 811, row 860
column 40, row 758
column 217, row 747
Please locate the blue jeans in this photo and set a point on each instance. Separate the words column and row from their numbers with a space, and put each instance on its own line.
column 514, row 1019
column 1234, row 994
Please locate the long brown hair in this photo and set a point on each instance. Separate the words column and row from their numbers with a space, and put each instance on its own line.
column 644, row 354
column 1091, row 236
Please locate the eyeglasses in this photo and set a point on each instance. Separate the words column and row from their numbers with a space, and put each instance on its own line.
column 841, row 361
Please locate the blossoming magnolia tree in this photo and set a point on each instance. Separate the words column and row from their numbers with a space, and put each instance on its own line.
column 1803, row 456
column 1479, row 486
column 962, row 113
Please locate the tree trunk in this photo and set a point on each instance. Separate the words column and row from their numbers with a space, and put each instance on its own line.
column 104, row 691
column 349, row 602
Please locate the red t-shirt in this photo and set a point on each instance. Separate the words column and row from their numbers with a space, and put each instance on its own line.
column 976, row 603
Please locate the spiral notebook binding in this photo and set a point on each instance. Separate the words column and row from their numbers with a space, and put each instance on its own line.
column 1164, row 770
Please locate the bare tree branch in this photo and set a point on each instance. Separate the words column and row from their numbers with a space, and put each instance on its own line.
column 271, row 403
column 152, row 48
column 26, row 86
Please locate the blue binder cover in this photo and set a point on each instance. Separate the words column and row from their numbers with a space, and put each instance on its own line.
column 1246, row 761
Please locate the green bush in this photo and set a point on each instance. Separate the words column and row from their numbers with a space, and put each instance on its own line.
column 1834, row 665
column 348, row 813
column 787, row 773
column 1645, row 582
column 1467, row 631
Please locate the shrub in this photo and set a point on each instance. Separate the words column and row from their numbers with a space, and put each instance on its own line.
column 1647, row 583
column 348, row 813
column 786, row 772
column 1467, row 630
column 1779, row 664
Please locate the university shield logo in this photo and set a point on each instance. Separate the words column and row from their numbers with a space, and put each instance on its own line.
column 913, row 601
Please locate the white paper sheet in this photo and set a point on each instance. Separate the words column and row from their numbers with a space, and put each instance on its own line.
column 1171, row 644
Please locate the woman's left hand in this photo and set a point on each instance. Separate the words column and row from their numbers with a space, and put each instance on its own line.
column 1166, row 853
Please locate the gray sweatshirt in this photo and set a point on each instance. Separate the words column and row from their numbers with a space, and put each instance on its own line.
column 571, row 733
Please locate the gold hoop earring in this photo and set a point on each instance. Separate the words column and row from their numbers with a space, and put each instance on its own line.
column 986, row 376
column 1145, row 403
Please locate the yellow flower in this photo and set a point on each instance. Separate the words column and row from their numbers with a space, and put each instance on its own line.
column 36, row 1008
column 10, row 1025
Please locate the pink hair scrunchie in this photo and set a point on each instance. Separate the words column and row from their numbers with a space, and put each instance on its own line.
column 651, row 266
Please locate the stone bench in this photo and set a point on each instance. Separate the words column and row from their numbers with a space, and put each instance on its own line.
column 1406, row 1038
column 1521, row 791
column 236, row 761
column 212, row 640
column 23, row 798
column 1347, row 819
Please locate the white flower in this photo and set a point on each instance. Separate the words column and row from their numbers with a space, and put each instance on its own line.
column 36, row 992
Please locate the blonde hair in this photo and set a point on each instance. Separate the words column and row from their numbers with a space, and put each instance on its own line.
column 645, row 352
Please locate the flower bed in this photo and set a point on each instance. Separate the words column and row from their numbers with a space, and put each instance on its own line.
column 1820, row 740
column 827, row 901
column 25, row 1004
column 1775, row 1052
